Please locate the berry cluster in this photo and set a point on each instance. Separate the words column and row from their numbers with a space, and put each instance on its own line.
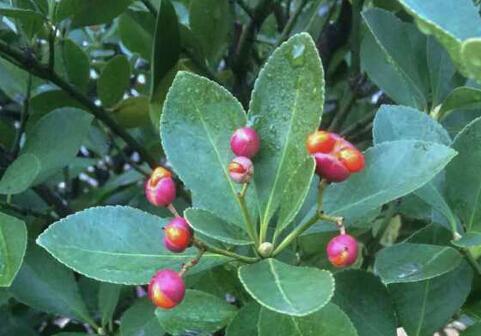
column 167, row 289
column 244, row 144
column 336, row 158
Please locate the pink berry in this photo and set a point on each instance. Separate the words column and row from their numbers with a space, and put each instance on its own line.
column 166, row 289
column 330, row 168
column 342, row 250
column 160, row 187
column 245, row 142
column 177, row 235
column 241, row 169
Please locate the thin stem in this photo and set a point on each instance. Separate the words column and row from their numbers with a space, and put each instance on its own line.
column 23, row 117
column 296, row 233
column 320, row 193
column 150, row 7
column 51, row 47
column 245, row 214
column 290, row 24
column 32, row 66
column 173, row 210
column 201, row 245
column 356, row 37
column 191, row 263
column 25, row 212
column 127, row 159
column 245, row 8
column 201, row 65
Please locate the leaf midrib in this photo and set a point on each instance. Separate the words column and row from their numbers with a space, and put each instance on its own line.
column 278, row 284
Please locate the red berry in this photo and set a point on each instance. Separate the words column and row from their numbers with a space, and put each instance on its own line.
column 241, row 169
column 245, row 142
column 177, row 235
column 320, row 142
column 166, row 289
column 352, row 159
column 342, row 250
column 160, row 187
column 330, row 168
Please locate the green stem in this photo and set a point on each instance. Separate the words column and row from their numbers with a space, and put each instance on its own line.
column 246, row 216
column 290, row 24
column 23, row 117
column 191, row 263
column 356, row 37
column 32, row 66
column 472, row 261
column 201, row 245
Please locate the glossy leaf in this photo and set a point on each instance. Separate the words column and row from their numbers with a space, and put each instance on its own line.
column 276, row 285
column 459, row 99
column 166, row 47
column 203, row 115
column 393, row 54
column 90, row 12
column 116, row 244
column 415, row 262
column 436, row 18
column 469, row 239
column 56, row 138
column 295, row 193
column 330, row 321
column 286, row 106
column 140, row 319
column 48, row 286
column 20, row 174
column 463, row 180
column 109, row 295
column 198, row 312
column 114, row 80
column 136, row 29
column 366, row 302
column 215, row 32
column 414, row 302
column 245, row 322
column 214, row 227
column 13, row 242
column 393, row 169
column 76, row 63
column 132, row 112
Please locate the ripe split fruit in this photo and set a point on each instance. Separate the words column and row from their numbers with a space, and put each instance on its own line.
column 166, row 289
column 336, row 158
column 342, row 250
column 160, row 187
column 241, row 169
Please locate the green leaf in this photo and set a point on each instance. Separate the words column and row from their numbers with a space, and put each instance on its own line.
column 393, row 54
column 393, row 169
column 213, row 33
column 136, row 29
column 296, row 291
column 48, row 286
column 415, row 262
column 214, row 227
column 415, row 301
column 198, row 312
column 436, row 18
column 461, row 98
column 30, row 21
column 463, row 180
column 199, row 117
column 329, row 321
column 116, row 244
column 295, row 193
column 468, row 240
column 394, row 122
column 470, row 50
column 140, row 319
column 245, row 322
column 89, row 12
column 13, row 80
column 166, row 48
column 114, row 80
column 77, row 64
column 108, row 299
column 366, row 301
column 56, row 138
column 473, row 330
column 286, row 106
column 20, row 174
column 13, row 243
column 132, row 112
